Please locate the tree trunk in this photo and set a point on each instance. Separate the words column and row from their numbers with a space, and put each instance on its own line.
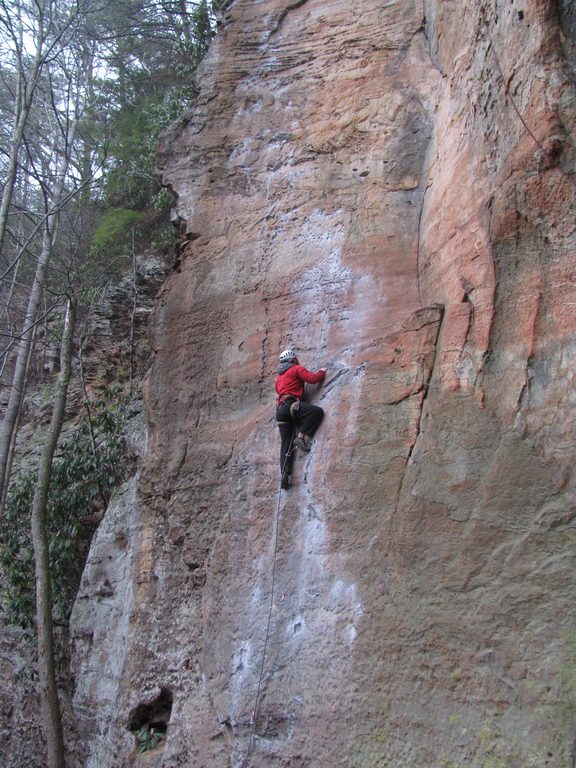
column 12, row 448
column 185, row 21
column 23, row 98
column 8, row 425
column 46, row 666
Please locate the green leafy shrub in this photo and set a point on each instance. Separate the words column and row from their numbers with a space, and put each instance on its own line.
column 114, row 230
column 83, row 481
column 148, row 738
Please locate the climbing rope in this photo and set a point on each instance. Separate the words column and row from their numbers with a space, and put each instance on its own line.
column 508, row 94
column 270, row 608
column 254, row 713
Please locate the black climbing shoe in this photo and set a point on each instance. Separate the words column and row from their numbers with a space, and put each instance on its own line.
column 285, row 482
column 299, row 443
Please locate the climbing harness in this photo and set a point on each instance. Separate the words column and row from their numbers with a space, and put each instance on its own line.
column 254, row 710
column 293, row 408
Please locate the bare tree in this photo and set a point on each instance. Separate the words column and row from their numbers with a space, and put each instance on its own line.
column 16, row 28
column 26, row 337
column 34, row 33
column 46, row 666
column 61, row 101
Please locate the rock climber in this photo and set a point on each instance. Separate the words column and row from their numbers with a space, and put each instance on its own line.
column 292, row 413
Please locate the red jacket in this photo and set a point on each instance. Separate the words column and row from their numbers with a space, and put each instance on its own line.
column 291, row 382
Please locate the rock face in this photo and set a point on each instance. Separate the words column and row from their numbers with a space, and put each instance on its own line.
column 388, row 187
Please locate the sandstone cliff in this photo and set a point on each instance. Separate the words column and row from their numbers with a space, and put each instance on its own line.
column 389, row 188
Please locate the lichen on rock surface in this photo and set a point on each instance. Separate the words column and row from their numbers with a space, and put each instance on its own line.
column 388, row 188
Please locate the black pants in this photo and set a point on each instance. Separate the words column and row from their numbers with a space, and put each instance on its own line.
column 295, row 416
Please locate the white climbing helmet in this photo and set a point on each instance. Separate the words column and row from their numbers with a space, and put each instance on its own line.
column 287, row 355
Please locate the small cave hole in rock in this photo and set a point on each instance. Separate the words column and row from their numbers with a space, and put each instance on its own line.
column 297, row 627
column 520, row 15
column 149, row 721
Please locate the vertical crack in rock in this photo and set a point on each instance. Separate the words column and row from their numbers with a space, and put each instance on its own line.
column 419, row 240
column 422, row 392
column 523, row 400
column 427, row 29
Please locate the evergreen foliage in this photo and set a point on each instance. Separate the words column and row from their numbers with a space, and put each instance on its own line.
column 151, row 86
column 113, row 230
